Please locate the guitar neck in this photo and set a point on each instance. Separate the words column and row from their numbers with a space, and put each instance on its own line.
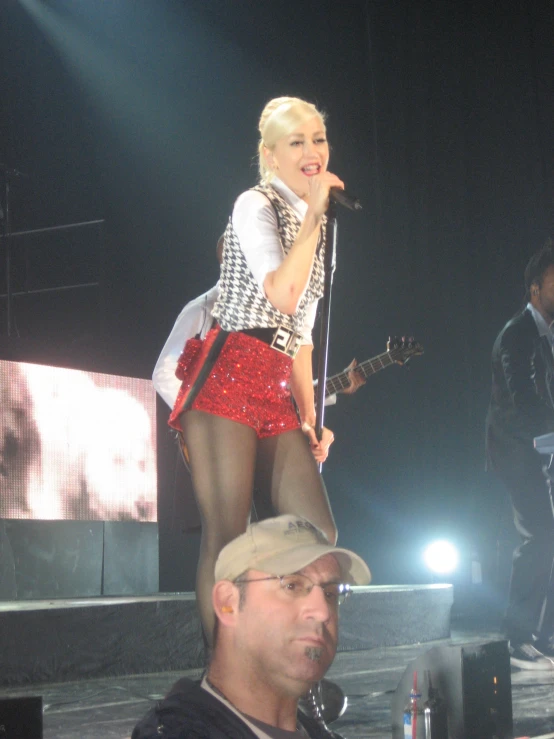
column 340, row 381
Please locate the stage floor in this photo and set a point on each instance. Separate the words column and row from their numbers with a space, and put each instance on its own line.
column 110, row 707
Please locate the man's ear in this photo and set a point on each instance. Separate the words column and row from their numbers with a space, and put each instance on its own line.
column 225, row 600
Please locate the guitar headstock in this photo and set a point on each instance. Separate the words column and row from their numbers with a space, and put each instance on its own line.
column 402, row 350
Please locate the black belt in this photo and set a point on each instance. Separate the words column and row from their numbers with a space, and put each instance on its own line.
column 263, row 334
column 281, row 339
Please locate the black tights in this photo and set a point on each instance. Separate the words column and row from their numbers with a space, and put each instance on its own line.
column 227, row 461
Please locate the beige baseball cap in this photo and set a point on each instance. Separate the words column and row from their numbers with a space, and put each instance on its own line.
column 283, row 545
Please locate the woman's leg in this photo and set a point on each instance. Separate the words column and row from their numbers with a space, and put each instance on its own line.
column 288, row 477
column 222, row 457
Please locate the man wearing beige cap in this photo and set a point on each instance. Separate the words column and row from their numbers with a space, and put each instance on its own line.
column 276, row 599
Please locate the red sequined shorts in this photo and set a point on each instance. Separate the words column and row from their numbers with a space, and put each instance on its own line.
column 249, row 383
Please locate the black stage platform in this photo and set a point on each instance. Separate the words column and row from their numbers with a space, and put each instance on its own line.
column 58, row 640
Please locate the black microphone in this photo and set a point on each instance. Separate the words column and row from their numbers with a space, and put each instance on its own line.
column 345, row 198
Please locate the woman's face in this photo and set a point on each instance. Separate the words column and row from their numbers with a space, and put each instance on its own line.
column 300, row 155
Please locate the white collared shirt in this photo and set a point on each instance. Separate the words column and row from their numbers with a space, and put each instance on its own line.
column 195, row 318
column 256, row 227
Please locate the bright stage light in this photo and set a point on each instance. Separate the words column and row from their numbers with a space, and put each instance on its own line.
column 441, row 557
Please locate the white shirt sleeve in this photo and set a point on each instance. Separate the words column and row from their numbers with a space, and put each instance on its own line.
column 195, row 318
column 255, row 224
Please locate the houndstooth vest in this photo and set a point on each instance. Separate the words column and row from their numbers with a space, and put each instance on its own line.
column 241, row 303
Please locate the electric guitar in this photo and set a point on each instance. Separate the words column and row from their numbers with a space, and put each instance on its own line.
column 399, row 351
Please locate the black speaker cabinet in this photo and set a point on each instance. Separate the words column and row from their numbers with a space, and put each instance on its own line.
column 20, row 718
column 473, row 680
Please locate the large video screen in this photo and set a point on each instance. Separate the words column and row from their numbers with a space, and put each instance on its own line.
column 76, row 445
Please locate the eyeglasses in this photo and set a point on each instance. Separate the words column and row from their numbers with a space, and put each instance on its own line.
column 300, row 586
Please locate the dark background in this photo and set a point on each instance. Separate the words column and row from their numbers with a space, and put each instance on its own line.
column 440, row 117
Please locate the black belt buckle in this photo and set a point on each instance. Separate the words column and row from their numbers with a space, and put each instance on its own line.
column 286, row 341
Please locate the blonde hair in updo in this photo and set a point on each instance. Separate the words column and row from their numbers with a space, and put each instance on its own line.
column 279, row 118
